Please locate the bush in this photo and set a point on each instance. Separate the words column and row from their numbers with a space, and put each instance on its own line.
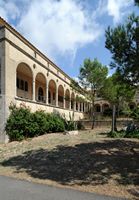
column 116, row 134
column 132, row 131
column 135, row 113
column 18, row 125
column 22, row 123
column 40, row 122
column 56, row 123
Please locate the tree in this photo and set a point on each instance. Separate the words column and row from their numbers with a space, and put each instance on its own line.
column 123, row 43
column 116, row 92
column 137, row 2
column 92, row 76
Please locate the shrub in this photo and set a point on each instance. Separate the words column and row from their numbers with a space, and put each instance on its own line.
column 135, row 113
column 41, row 123
column 117, row 134
column 132, row 131
column 18, row 125
column 56, row 123
column 23, row 124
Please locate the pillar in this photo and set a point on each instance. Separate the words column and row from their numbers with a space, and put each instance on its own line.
column 33, row 89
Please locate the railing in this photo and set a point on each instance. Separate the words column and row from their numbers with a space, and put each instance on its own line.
column 23, row 94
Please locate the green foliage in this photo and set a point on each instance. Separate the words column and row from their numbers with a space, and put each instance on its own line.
column 107, row 112
column 70, row 125
column 56, row 123
column 23, row 124
column 116, row 134
column 75, row 86
column 40, row 123
column 92, row 74
column 123, row 42
column 137, row 2
column 132, row 131
column 19, row 123
column 135, row 113
column 116, row 91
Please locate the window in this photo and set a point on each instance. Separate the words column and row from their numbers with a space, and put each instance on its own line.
column 21, row 84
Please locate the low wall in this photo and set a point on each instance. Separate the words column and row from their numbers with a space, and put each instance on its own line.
column 103, row 123
column 52, row 109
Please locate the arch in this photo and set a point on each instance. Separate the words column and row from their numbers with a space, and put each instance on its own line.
column 72, row 100
column 52, row 92
column 67, row 99
column 24, row 81
column 105, row 106
column 97, row 108
column 40, row 88
column 61, row 96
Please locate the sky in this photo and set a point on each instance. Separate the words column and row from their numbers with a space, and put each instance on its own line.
column 67, row 31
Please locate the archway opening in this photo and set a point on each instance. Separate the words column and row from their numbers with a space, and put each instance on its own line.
column 67, row 99
column 72, row 100
column 24, row 80
column 52, row 92
column 40, row 88
column 97, row 108
column 105, row 107
column 61, row 96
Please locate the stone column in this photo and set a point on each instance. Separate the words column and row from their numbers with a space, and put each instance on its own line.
column 46, row 94
column 33, row 91
column 64, row 101
column 69, row 103
column 56, row 96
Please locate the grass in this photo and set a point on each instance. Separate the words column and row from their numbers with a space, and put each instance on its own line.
column 89, row 162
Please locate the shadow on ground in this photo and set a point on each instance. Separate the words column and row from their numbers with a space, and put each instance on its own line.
column 87, row 163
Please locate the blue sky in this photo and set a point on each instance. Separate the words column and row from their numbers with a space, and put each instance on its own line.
column 67, row 31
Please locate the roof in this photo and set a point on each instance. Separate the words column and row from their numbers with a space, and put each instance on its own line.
column 25, row 41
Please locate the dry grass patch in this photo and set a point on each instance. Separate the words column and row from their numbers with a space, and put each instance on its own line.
column 89, row 161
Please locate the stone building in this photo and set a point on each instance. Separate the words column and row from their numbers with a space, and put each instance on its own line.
column 28, row 76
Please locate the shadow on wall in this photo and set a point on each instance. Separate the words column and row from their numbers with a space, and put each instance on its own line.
column 87, row 163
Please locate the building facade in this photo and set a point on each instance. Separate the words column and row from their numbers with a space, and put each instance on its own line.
column 28, row 77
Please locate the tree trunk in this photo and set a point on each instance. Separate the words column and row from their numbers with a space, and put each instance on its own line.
column 114, row 128
column 93, row 111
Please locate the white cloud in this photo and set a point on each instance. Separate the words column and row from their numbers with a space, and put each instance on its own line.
column 8, row 10
column 118, row 8
column 58, row 27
